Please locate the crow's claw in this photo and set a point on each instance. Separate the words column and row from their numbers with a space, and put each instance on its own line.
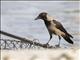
column 57, row 46
column 46, row 44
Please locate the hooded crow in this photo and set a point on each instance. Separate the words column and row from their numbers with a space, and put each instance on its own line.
column 54, row 27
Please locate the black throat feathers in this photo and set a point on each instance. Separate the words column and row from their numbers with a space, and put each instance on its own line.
column 47, row 23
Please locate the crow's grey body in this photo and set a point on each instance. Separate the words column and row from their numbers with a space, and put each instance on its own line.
column 55, row 27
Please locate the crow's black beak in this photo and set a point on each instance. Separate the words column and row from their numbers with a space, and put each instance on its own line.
column 37, row 18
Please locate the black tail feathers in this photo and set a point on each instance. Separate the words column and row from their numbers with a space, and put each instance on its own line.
column 70, row 35
column 67, row 38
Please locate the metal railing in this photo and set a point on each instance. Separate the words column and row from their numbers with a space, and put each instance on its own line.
column 21, row 43
column 13, row 44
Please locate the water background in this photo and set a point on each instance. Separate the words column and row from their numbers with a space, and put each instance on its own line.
column 18, row 18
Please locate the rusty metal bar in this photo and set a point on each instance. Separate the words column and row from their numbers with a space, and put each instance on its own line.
column 25, row 40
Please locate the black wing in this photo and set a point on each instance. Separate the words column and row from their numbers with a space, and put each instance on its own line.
column 59, row 26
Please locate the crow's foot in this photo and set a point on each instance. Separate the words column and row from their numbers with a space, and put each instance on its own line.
column 57, row 46
column 46, row 44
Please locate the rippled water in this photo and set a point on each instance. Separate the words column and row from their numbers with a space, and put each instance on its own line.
column 18, row 18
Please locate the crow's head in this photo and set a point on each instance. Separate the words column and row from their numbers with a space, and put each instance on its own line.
column 42, row 16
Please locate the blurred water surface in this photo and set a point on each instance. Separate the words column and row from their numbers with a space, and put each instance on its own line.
column 18, row 18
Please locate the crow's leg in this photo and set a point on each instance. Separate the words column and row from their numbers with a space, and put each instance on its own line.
column 59, row 40
column 47, row 44
column 49, row 39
